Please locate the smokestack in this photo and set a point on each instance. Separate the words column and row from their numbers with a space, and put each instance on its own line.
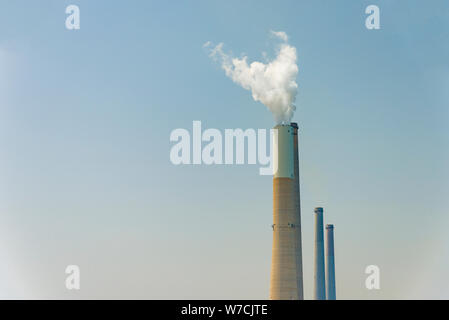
column 286, row 263
column 330, row 263
column 319, row 289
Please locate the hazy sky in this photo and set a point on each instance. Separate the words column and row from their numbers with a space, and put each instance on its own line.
column 85, row 121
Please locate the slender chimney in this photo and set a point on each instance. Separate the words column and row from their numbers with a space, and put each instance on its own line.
column 330, row 263
column 319, row 278
column 286, row 261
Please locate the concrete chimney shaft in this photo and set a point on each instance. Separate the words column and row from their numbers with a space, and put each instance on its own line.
column 286, row 264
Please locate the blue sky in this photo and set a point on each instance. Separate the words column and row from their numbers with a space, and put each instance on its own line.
column 85, row 120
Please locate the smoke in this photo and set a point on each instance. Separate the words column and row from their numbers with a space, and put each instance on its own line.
column 272, row 83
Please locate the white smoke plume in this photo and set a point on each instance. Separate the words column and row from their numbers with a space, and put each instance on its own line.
column 272, row 83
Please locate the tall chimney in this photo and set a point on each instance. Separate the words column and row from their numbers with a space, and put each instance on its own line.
column 286, row 262
column 330, row 263
column 319, row 278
